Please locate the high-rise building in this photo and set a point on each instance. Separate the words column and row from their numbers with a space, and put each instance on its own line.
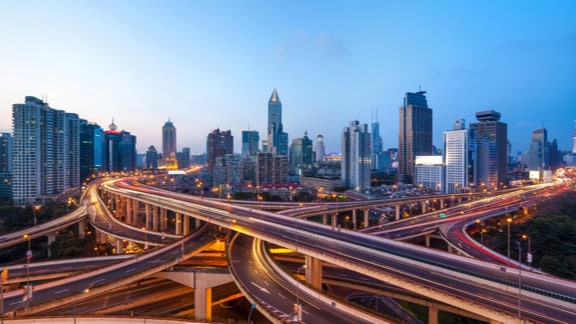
column 320, row 149
column 91, row 149
column 415, row 133
column 250, row 140
column 377, row 147
column 301, row 154
column 456, row 154
column 119, row 150
column 489, row 136
column 277, row 138
column 574, row 139
column 151, row 158
column 429, row 172
column 539, row 154
column 169, row 160
column 5, row 166
column 183, row 158
column 46, row 151
column 356, row 156
column 218, row 144
column 271, row 169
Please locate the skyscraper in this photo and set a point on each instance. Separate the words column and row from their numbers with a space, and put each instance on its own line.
column 169, row 160
column 574, row 139
column 539, row 154
column 119, row 150
column 250, row 140
column 6, row 166
column 377, row 147
column 91, row 149
column 277, row 139
column 356, row 156
column 301, row 154
column 46, row 147
column 151, row 158
column 490, row 138
column 218, row 144
column 456, row 148
column 320, row 149
column 415, row 133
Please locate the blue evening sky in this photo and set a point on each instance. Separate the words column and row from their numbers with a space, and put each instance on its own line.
column 214, row 64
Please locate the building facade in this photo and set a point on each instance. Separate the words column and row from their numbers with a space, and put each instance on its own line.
column 429, row 172
column 91, row 149
column 250, row 141
column 6, row 166
column 45, row 151
column 356, row 156
column 218, row 144
column 456, row 157
column 489, row 136
column 415, row 134
column 169, row 159
column 119, row 150
column 320, row 151
column 277, row 138
column 539, row 154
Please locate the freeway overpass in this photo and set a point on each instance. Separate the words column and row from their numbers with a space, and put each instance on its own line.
column 486, row 289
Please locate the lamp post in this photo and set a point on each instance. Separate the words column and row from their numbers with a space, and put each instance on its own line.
column 85, row 291
column 297, row 306
column 529, row 252
column 508, row 221
column 145, row 238
column 519, row 282
column 481, row 232
column 36, row 208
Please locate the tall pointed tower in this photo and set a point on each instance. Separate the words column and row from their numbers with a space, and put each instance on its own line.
column 277, row 139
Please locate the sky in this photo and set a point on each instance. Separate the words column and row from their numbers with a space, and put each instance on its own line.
column 213, row 64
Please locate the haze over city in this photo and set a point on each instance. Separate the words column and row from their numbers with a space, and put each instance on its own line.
column 207, row 65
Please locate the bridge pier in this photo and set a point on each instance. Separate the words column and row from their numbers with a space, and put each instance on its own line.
column 324, row 219
column 81, row 230
column 354, row 218
column 313, row 272
column 423, row 204
column 178, row 224
column 334, row 219
column 397, row 211
column 432, row 315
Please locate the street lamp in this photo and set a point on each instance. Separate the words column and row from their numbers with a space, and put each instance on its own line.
column 508, row 221
column 36, row 208
column 529, row 252
column 481, row 232
column 297, row 306
column 519, row 282
column 85, row 291
column 145, row 238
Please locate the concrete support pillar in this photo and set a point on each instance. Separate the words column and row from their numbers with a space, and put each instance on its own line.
column 147, row 210
column 450, row 249
column 51, row 239
column 203, row 302
column 128, row 206
column 441, row 203
column 155, row 218
column 427, row 238
column 178, row 224
column 117, row 206
column 324, row 219
column 163, row 219
column 186, row 226
column 423, row 207
column 432, row 315
column 334, row 219
column 197, row 223
column 354, row 218
column 397, row 209
column 366, row 217
column 81, row 230
column 119, row 246
column 313, row 272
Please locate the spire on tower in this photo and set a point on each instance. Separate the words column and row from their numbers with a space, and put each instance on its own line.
column 274, row 97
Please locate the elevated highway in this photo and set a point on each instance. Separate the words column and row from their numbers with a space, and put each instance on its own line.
column 486, row 289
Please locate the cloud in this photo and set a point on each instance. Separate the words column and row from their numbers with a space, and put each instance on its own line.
column 299, row 43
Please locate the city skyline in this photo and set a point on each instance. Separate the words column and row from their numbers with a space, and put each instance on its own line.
column 213, row 65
